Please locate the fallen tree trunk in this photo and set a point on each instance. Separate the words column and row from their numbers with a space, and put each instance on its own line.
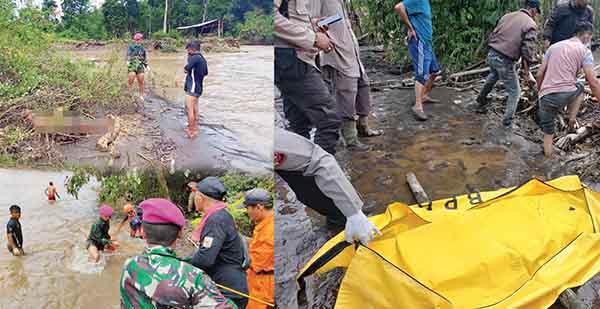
column 416, row 189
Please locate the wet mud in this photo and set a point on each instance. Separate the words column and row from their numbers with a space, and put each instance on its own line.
column 456, row 151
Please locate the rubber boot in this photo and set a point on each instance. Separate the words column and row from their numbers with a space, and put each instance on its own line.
column 350, row 135
column 364, row 130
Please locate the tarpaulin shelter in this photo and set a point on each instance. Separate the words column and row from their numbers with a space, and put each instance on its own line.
column 511, row 248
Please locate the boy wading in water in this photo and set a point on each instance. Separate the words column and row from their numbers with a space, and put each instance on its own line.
column 51, row 192
column 195, row 70
column 99, row 239
column 13, row 232
column 136, row 63
column 133, row 216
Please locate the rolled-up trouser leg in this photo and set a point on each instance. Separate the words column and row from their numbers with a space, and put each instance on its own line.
column 308, row 100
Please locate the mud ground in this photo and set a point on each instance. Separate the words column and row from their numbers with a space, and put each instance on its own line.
column 455, row 152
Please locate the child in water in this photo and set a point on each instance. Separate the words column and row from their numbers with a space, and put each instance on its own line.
column 134, row 217
column 51, row 192
column 99, row 239
column 13, row 232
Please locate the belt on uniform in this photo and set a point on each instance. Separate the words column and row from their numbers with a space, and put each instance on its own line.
column 265, row 272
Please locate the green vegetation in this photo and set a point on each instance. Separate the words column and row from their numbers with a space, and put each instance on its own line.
column 460, row 27
column 114, row 186
column 35, row 78
column 257, row 27
column 121, row 18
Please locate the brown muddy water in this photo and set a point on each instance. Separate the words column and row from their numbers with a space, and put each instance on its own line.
column 236, row 112
column 55, row 272
column 455, row 152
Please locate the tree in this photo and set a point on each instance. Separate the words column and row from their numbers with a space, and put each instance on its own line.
column 73, row 11
column 49, row 8
column 115, row 17
column 133, row 15
column 166, row 13
column 7, row 8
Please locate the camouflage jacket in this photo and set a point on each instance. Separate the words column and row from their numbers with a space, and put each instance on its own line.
column 158, row 279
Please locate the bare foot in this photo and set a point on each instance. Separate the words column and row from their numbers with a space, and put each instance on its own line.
column 191, row 133
column 428, row 99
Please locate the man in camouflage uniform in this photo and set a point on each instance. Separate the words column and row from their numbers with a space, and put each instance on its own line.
column 158, row 278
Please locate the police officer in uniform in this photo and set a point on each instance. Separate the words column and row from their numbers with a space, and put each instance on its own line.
column 220, row 253
column 319, row 183
column 306, row 98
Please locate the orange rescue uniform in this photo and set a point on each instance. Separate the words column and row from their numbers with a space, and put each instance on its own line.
column 261, row 275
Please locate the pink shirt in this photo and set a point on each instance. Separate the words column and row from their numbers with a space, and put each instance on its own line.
column 564, row 60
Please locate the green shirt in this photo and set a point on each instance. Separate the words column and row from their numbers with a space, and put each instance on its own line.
column 159, row 278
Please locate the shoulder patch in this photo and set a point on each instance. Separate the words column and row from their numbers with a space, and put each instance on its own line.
column 207, row 242
column 278, row 158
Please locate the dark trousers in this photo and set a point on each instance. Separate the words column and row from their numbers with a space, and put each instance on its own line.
column 307, row 102
column 310, row 195
column 233, row 277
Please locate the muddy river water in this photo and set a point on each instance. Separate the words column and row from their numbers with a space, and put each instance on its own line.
column 55, row 272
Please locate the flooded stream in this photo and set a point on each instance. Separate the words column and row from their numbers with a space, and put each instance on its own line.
column 55, row 272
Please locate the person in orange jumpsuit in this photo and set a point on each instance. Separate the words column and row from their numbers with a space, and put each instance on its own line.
column 261, row 274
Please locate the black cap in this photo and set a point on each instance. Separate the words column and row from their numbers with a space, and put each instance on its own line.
column 212, row 187
column 534, row 4
column 195, row 44
column 257, row 196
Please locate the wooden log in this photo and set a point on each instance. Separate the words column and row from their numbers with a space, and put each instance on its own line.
column 416, row 189
column 457, row 76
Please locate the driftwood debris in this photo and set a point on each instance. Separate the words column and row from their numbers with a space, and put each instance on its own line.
column 105, row 142
column 571, row 139
column 416, row 189
column 469, row 75
column 393, row 83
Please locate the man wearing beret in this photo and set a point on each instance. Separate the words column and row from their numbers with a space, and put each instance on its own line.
column 220, row 252
column 158, row 278
column 261, row 274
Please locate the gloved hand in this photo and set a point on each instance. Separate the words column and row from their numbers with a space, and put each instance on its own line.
column 358, row 227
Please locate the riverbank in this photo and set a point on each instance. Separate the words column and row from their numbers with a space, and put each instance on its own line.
column 235, row 113
column 455, row 152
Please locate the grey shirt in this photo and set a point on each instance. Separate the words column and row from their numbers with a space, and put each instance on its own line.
column 301, row 155
column 345, row 58
column 295, row 31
